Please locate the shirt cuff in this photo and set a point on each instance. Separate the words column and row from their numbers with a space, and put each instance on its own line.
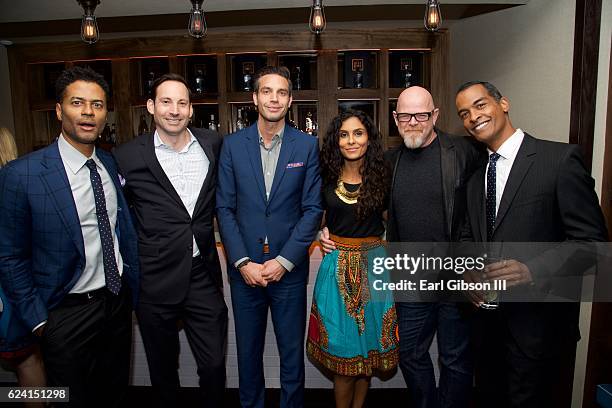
column 39, row 325
column 239, row 261
column 288, row 265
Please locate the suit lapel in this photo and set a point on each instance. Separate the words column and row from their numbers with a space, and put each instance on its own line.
column 283, row 159
column 254, row 153
column 449, row 176
column 148, row 154
column 111, row 169
column 478, row 193
column 56, row 182
column 523, row 161
column 208, row 151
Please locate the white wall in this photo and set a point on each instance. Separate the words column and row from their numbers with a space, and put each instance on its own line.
column 527, row 52
column 603, row 79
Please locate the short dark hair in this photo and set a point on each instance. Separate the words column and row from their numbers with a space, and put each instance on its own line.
column 267, row 70
column 491, row 89
column 169, row 77
column 71, row 75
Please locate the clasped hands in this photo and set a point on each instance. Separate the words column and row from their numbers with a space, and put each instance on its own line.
column 255, row 274
column 509, row 270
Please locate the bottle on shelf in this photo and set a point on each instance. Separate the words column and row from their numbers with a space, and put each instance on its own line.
column 240, row 124
column 212, row 125
column 358, row 79
column 247, row 80
column 142, row 125
column 311, row 124
column 149, row 84
column 199, row 82
column 407, row 77
column 297, row 83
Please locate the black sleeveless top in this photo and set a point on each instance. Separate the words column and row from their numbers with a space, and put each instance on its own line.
column 342, row 219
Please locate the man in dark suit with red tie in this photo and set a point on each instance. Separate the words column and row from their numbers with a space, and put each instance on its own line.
column 170, row 178
column 531, row 191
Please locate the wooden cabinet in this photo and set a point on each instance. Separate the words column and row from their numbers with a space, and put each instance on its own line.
column 340, row 69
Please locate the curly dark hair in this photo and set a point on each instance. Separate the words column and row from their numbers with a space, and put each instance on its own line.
column 374, row 172
column 71, row 75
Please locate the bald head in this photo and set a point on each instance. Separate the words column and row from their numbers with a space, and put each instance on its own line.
column 417, row 133
column 413, row 98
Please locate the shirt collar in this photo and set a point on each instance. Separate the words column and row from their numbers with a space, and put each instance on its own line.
column 509, row 148
column 278, row 136
column 158, row 142
column 72, row 158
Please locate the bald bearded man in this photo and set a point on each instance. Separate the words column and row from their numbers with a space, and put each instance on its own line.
column 428, row 204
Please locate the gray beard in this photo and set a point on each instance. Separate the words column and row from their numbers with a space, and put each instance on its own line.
column 414, row 142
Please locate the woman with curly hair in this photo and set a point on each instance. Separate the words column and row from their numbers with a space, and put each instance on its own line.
column 352, row 332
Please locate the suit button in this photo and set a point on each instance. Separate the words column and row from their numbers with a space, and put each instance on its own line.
column 260, row 240
column 267, row 214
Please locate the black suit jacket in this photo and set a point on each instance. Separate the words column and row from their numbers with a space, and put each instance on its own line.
column 164, row 227
column 548, row 197
column 459, row 158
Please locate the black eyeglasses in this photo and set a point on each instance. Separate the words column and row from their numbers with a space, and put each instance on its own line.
column 407, row 117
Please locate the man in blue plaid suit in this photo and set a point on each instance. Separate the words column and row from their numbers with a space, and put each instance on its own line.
column 68, row 249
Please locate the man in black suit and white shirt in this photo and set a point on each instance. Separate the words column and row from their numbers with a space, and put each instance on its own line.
column 170, row 183
column 533, row 191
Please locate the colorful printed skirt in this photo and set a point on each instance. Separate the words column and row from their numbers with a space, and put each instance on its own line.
column 352, row 331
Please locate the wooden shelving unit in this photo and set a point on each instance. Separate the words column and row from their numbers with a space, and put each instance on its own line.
column 222, row 59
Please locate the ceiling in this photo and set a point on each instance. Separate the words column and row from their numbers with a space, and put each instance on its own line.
column 43, row 10
column 31, row 20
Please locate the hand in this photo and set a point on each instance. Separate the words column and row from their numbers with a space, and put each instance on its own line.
column 273, row 271
column 510, row 270
column 476, row 297
column 251, row 273
column 326, row 244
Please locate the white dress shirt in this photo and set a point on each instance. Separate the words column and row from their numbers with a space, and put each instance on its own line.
column 92, row 277
column 507, row 152
column 186, row 170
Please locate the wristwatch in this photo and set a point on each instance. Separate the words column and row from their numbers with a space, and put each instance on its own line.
column 243, row 263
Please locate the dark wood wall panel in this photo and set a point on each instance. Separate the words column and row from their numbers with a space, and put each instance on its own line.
column 584, row 77
column 124, row 55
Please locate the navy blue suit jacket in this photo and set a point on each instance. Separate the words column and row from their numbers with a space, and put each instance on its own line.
column 291, row 216
column 42, row 253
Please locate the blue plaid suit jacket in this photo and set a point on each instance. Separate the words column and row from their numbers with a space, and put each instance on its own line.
column 42, row 253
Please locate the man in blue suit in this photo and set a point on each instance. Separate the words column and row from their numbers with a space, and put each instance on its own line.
column 68, row 249
column 269, row 210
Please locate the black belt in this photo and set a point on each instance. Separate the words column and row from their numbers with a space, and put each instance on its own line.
column 86, row 296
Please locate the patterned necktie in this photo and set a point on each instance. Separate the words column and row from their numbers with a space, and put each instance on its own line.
column 111, row 271
column 491, row 213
